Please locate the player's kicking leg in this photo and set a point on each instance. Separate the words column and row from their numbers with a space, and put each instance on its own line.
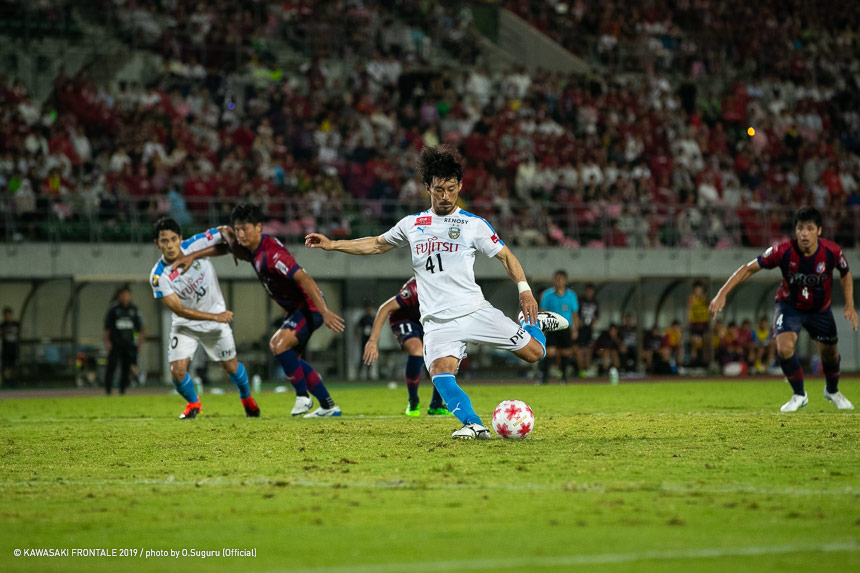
column 444, row 348
column 442, row 372
column 547, row 321
column 286, row 345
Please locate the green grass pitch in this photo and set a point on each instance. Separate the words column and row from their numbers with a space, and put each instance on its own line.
column 704, row 476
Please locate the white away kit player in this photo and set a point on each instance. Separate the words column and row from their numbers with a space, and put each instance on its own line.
column 199, row 314
column 443, row 241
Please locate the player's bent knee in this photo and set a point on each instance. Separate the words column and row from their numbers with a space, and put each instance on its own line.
column 785, row 345
column 785, row 350
column 531, row 352
column 282, row 341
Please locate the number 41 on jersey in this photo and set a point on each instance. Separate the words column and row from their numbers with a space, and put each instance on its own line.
column 431, row 267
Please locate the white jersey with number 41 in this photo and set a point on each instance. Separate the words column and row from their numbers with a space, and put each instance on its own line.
column 443, row 258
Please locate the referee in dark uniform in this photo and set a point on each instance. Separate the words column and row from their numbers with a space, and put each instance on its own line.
column 124, row 333
column 10, row 330
column 589, row 312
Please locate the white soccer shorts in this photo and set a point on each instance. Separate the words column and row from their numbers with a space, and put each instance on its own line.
column 217, row 341
column 487, row 325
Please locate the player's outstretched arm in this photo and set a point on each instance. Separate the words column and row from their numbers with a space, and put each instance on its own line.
column 515, row 271
column 371, row 349
column 363, row 246
column 172, row 302
column 848, row 288
column 739, row 276
column 228, row 245
column 309, row 285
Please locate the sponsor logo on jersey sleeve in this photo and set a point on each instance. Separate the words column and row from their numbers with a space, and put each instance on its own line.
column 282, row 267
column 208, row 235
column 495, row 238
column 426, row 220
column 767, row 252
column 155, row 280
column 405, row 293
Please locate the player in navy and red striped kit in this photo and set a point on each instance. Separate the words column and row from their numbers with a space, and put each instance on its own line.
column 296, row 292
column 404, row 318
column 803, row 300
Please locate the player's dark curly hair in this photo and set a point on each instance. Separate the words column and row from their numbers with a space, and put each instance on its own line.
column 442, row 162
column 165, row 224
column 807, row 214
column 246, row 213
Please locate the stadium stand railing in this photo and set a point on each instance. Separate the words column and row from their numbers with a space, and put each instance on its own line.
column 566, row 225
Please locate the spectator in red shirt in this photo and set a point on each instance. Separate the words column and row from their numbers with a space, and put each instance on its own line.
column 197, row 191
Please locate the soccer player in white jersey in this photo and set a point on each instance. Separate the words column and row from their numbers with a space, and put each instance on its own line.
column 199, row 314
column 443, row 241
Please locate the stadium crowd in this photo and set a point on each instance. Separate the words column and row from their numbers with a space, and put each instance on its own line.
column 735, row 347
column 658, row 158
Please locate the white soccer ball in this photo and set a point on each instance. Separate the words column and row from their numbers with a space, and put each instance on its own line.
column 513, row 419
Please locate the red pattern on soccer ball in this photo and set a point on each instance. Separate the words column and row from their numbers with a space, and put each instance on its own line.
column 503, row 430
column 524, row 430
column 512, row 411
column 497, row 411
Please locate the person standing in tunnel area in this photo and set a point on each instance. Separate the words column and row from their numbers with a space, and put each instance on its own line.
column 124, row 333
column 803, row 300
column 589, row 312
column 700, row 323
column 10, row 329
